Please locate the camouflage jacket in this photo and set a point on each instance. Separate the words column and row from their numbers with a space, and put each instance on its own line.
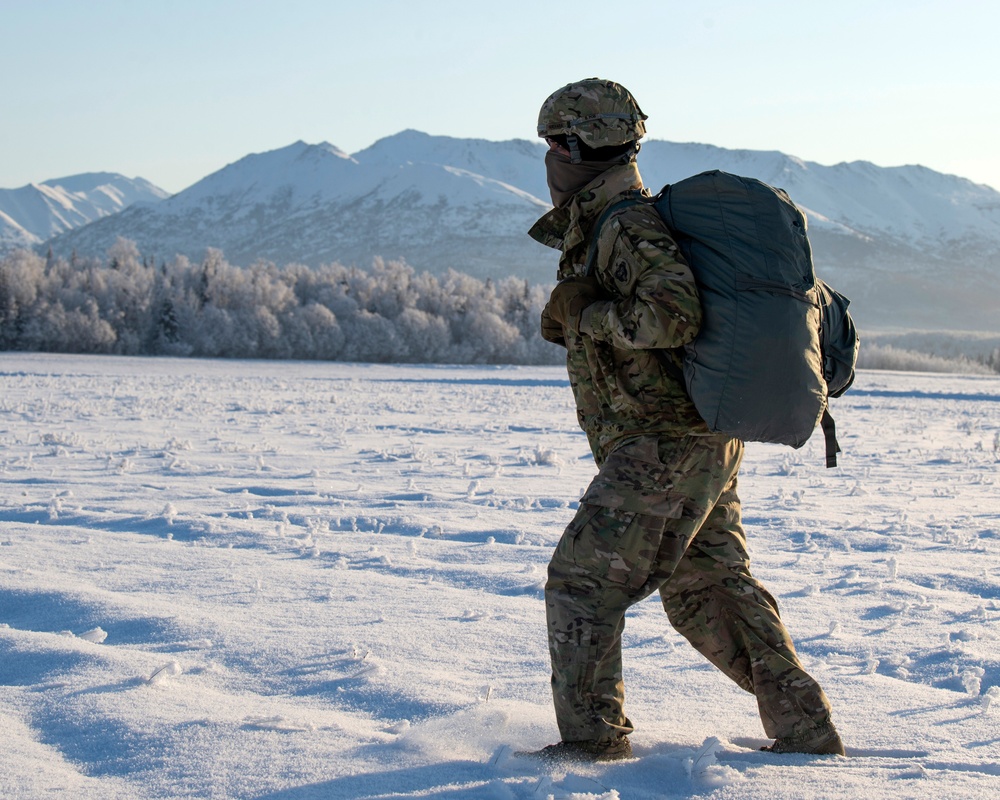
column 625, row 364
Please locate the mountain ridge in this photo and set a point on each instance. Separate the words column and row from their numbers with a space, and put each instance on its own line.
column 32, row 214
column 912, row 246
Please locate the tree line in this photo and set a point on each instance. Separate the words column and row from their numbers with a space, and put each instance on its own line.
column 127, row 305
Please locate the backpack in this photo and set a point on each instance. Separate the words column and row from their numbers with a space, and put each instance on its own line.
column 775, row 342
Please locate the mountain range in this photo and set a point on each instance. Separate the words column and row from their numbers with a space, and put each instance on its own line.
column 910, row 246
column 37, row 212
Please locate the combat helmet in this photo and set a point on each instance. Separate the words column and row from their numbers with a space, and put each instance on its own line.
column 597, row 113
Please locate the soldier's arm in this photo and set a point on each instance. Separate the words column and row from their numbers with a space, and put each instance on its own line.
column 655, row 299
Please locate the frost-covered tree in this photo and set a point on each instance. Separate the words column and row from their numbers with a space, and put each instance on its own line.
column 21, row 278
column 389, row 313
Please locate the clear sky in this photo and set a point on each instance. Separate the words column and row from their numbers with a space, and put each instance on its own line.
column 174, row 90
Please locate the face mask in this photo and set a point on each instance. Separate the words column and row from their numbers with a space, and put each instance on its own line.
column 565, row 179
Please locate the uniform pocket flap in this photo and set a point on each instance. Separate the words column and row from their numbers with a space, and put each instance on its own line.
column 668, row 505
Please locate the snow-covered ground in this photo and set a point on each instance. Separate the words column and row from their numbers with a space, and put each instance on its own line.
column 314, row 580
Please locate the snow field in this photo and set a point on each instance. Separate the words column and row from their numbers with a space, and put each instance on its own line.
column 297, row 580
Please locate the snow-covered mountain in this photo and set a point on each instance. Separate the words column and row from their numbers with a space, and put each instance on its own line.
column 909, row 245
column 425, row 199
column 37, row 212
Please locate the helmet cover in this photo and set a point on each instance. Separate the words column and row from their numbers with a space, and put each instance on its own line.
column 600, row 113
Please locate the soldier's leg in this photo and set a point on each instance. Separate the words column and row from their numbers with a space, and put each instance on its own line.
column 585, row 601
column 600, row 567
column 713, row 600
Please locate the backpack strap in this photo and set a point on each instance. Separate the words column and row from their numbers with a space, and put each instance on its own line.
column 632, row 198
column 830, row 434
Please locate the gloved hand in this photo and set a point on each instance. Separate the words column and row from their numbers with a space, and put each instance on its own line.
column 570, row 297
column 552, row 331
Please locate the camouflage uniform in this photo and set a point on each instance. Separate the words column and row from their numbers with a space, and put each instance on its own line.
column 662, row 514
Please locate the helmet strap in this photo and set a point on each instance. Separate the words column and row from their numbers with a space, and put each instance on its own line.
column 573, row 145
column 629, row 155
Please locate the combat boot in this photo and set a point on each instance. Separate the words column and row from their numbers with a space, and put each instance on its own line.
column 614, row 750
column 823, row 740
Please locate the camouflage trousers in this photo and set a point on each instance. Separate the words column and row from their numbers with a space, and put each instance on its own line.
column 663, row 514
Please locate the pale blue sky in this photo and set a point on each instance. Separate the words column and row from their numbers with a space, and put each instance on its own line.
column 173, row 90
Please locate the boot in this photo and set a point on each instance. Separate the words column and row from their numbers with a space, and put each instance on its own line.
column 614, row 750
column 823, row 740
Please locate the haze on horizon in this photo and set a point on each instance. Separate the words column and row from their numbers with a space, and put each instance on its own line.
column 173, row 93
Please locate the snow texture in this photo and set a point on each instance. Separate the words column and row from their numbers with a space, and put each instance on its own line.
column 291, row 580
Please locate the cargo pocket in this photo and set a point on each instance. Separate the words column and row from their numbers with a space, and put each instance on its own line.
column 634, row 478
column 616, row 534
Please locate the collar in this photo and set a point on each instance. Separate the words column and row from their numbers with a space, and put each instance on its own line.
column 567, row 227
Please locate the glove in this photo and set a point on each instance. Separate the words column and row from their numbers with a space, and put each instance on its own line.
column 570, row 298
column 552, row 331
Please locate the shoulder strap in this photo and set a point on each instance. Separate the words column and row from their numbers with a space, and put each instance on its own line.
column 632, row 198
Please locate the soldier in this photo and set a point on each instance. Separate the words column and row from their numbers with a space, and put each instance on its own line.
column 662, row 514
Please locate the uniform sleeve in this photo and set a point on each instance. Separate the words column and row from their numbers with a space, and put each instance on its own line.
column 655, row 301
